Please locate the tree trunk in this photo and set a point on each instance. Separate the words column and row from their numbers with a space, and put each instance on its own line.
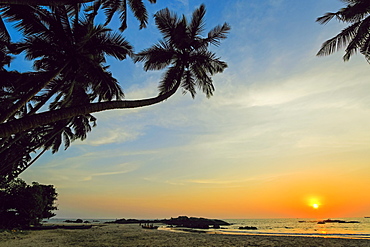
column 43, row 2
column 29, row 122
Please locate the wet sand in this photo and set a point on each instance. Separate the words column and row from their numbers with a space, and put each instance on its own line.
column 133, row 235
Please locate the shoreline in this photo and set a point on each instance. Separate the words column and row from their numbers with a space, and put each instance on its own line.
column 267, row 234
column 134, row 235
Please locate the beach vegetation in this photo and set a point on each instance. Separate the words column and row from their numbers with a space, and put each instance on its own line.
column 23, row 205
column 52, row 105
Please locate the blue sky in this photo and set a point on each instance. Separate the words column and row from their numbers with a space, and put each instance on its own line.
column 283, row 126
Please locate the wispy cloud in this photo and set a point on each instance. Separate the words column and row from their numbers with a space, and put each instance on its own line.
column 90, row 177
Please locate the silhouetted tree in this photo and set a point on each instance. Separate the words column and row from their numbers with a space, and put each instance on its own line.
column 355, row 37
column 69, row 51
column 22, row 205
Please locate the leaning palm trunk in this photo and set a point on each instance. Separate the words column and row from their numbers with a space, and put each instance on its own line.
column 29, row 122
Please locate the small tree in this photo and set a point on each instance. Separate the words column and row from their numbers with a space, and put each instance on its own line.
column 22, row 205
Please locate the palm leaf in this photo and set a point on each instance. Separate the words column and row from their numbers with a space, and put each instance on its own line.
column 27, row 18
column 112, row 44
column 4, row 34
column 140, row 12
column 208, row 60
column 355, row 12
column 203, row 80
column 166, row 21
column 342, row 39
column 217, row 34
column 169, row 80
column 197, row 24
column 188, row 83
column 358, row 41
column 326, row 18
column 157, row 57
column 110, row 7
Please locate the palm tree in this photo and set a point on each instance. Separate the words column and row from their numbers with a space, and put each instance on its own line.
column 183, row 50
column 355, row 37
column 77, row 50
column 29, row 22
column 61, row 46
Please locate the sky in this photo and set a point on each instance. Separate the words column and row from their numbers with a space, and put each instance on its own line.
column 284, row 130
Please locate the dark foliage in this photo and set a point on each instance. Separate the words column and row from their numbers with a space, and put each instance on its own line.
column 23, row 205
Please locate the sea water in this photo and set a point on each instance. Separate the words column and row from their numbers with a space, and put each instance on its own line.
column 301, row 227
column 282, row 227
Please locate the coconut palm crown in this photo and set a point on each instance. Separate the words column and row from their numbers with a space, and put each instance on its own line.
column 355, row 37
column 185, row 52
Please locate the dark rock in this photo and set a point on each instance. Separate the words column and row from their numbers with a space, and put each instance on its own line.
column 181, row 221
column 192, row 222
column 74, row 221
column 336, row 221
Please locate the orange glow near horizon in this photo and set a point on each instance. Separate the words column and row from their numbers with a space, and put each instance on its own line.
column 289, row 196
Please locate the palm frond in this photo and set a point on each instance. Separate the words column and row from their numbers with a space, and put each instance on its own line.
column 92, row 11
column 326, row 17
column 67, row 137
column 112, row 44
column 203, row 79
column 140, row 12
column 110, row 7
column 208, row 60
column 123, row 15
column 355, row 12
column 336, row 43
column 217, row 34
column 28, row 19
column 166, row 21
column 359, row 40
column 4, row 34
column 169, row 79
column 103, row 85
column 81, row 126
column 196, row 26
column 157, row 57
column 188, row 83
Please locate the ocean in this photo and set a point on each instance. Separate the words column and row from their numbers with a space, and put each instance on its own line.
column 301, row 227
column 283, row 227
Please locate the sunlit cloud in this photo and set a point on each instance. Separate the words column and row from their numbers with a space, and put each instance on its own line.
column 107, row 174
column 108, row 136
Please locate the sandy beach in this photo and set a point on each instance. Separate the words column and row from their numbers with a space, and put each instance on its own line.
column 134, row 235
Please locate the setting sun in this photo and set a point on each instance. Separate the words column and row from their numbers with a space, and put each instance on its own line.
column 315, row 206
